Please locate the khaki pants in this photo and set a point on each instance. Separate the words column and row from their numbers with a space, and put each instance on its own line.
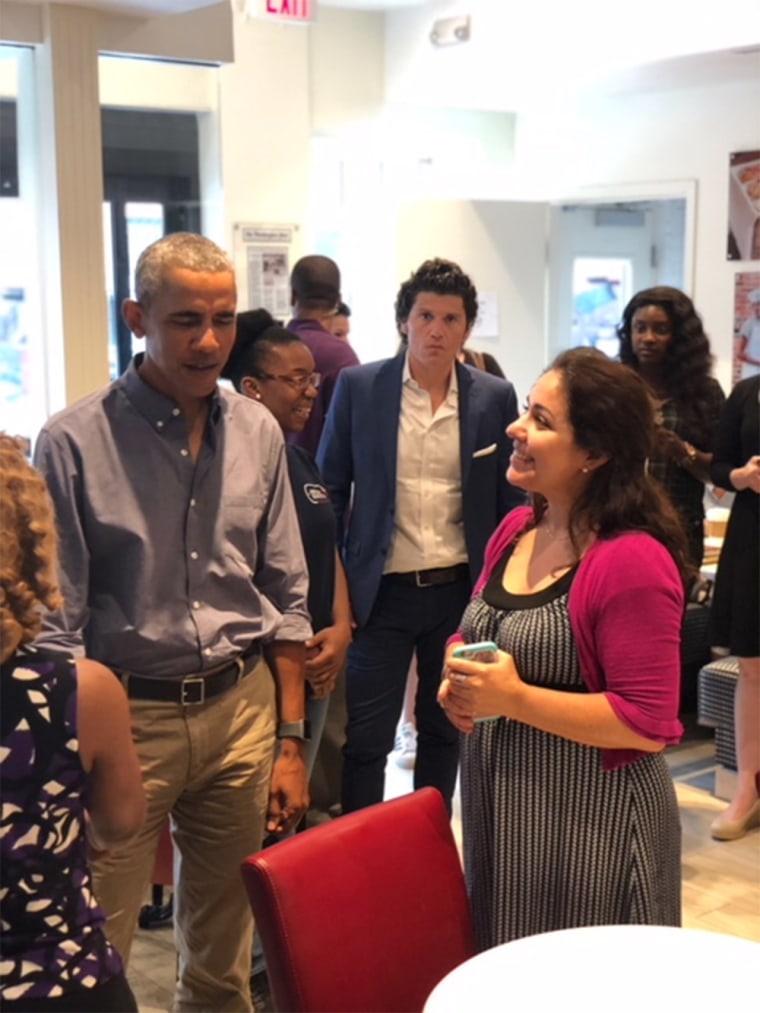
column 209, row 765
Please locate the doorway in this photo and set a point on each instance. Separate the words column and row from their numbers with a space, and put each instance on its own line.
column 600, row 254
column 151, row 182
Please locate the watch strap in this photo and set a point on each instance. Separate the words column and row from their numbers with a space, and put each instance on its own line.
column 294, row 730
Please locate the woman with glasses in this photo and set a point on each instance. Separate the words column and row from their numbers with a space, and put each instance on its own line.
column 272, row 365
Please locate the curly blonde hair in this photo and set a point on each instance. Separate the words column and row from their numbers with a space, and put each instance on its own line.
column 28, row 543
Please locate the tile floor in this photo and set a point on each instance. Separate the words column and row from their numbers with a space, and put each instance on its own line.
column 721, row 882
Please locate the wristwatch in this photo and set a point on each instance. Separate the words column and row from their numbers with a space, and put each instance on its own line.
column 294, row 730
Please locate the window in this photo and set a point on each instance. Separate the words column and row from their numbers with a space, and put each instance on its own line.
column 601, row 289
column 23, row 383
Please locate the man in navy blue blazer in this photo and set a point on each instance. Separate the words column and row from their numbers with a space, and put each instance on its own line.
column 414, row 454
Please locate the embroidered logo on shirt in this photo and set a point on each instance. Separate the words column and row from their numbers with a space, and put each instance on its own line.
column 315, row 493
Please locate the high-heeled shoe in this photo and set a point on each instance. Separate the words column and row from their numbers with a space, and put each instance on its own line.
column 723, row 829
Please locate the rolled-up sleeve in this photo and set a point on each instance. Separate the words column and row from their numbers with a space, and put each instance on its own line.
column 637, row 609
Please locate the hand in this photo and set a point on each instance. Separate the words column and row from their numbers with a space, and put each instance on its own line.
column 458, row 715
column 472, row 689
column 669, row 444
column 326, row 655
column 289, row 791
column 748, row 476
column 96, row 846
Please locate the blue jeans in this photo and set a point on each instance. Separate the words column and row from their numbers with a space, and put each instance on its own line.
column 405, row 619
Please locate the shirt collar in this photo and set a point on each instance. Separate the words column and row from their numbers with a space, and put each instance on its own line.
column 407, row 380
column 155, row 407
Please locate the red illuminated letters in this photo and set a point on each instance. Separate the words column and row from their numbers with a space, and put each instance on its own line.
column 289, row 8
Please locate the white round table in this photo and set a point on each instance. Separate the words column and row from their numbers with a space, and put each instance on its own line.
column 605, row 968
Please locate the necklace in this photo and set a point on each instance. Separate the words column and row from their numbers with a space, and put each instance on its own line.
column 553, row 534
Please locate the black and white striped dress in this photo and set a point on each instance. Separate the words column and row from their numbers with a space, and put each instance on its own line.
column 551, row 841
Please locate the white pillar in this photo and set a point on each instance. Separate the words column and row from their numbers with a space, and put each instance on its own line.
column 70, row 201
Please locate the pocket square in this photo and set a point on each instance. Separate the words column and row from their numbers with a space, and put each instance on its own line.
column 485, row 451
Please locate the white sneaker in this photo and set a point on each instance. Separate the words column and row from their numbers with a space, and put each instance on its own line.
column 405, row 746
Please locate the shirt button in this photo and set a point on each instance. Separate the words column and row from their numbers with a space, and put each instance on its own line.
column 192, row 502
column 175, row 412
column 184, row 452
column 196, row 604
column 208, row 652
column 159, row 424
column 193, row 555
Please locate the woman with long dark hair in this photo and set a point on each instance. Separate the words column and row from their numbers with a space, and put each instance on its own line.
column 662, row 338
column 735, row 612
column 569, row 812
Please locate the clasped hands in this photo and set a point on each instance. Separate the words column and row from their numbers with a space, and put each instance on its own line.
column 471, row 690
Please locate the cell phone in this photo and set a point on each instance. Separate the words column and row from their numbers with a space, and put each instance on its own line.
column 484, row 651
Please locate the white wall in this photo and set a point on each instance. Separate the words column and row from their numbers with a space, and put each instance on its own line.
column 435, row 136
column 679, row 134
column 518, row 56
column 570, row 136
column 502, row 247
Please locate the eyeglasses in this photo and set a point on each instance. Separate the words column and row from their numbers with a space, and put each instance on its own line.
column 299, row 383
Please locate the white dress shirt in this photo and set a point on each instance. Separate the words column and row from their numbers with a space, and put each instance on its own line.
column 428, row 530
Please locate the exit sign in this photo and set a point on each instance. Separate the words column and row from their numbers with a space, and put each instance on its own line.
column 284, row 10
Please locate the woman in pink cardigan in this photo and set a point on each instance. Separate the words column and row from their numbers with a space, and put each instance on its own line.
column 569, row 812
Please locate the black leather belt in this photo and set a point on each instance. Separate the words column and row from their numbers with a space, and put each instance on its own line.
column 432, row 578
column 193, row 689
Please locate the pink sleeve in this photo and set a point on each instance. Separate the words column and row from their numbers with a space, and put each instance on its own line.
column 637, row 605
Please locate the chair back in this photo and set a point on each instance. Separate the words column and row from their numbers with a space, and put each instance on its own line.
column 365, row 913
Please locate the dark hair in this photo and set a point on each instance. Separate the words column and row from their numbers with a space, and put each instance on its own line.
column 442, row 277
column 315, row 282
column 688, row 361
column 612, row 416
column 343, row 310
column 256, row 334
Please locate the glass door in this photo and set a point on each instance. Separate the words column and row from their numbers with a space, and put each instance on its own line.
column 151, row 188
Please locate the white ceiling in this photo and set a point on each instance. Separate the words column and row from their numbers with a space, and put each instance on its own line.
column 163, row 7
column 711, row 68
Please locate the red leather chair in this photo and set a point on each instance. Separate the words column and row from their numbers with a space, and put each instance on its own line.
column 366, row 913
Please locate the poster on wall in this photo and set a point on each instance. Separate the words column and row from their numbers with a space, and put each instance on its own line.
column 262, row 265
column 746, row 357
column 744, row 205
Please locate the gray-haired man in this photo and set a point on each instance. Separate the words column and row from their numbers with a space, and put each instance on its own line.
column 182, row 570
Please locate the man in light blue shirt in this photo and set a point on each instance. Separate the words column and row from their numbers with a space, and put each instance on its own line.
column 182, row 570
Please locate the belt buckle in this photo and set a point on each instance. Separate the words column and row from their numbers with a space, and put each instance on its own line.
column 193, row 697
column 417, row 580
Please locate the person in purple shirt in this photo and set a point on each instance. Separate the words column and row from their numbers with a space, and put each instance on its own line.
column 315, row 297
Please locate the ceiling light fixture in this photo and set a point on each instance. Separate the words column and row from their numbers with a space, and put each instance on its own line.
column 450, row 31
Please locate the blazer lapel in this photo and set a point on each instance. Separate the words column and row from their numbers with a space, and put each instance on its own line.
column 386, row 407
column 468, row 414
